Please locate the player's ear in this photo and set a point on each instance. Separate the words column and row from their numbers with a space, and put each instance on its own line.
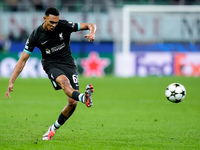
column 44, row 18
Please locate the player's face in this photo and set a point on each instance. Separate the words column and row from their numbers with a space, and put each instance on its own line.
column 51, row 22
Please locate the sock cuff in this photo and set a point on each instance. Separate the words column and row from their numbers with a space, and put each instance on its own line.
column 57, row 125
column 81, row 97
column 75, row 95
column 61, row 119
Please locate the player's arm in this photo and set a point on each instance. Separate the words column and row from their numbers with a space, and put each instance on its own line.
column 91, row 27
column 17, row 70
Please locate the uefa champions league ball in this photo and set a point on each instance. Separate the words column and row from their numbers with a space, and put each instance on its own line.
column 175, row 92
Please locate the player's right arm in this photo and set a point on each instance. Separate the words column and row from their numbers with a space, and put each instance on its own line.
column 17, row 70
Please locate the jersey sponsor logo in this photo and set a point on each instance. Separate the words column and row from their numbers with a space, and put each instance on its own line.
column 57, row 48
column 44, row 42
column 54, row 49
column 48, row 51
column 61, row 36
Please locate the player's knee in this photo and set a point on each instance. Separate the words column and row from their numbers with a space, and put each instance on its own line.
column 72, row 102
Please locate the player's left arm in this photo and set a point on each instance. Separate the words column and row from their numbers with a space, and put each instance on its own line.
column 92, row 28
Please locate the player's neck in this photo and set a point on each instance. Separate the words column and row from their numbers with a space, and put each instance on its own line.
column 44, row 27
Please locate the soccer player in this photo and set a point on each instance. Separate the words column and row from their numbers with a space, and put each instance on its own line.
column 53, row 38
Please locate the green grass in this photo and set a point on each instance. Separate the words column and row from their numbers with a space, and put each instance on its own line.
column 128, row 114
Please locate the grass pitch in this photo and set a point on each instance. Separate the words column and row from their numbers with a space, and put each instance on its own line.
column 128, row 114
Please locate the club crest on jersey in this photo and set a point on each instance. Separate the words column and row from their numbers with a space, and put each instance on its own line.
column 61, row 36
column 48, row 51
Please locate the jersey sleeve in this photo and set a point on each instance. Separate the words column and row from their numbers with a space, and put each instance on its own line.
column 73, row 26
column 30, row 44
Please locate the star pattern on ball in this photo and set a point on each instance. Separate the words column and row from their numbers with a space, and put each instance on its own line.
column 94, row 65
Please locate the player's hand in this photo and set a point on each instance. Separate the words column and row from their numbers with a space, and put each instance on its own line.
column 90, row 37
column 10, row 88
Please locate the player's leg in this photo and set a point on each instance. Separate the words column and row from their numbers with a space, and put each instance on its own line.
column 70, row 86
column 67, row 111
column 64, row 83
column 69, row 108
column 63, row 117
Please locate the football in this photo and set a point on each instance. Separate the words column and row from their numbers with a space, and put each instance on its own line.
column 175, row 92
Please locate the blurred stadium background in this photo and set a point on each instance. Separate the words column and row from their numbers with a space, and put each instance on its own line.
column 159, row 43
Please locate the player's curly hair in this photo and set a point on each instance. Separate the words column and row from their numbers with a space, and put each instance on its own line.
column 51, row 11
